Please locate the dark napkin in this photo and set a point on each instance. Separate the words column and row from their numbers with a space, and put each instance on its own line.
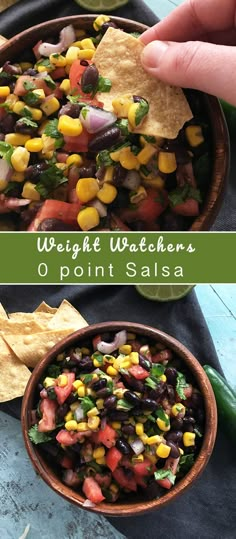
column 207, row 510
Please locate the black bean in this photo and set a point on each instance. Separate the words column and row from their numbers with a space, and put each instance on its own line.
column 188, row 427
column 196, row 400
column 110, row 402
column 189, row 412
column 107, row 25
column 177, row 423
column 138, row 98
column 11, row 69
column 88, row 171
column 153, row 490
column 8, row 123
column 118, row 415
column 50, row 448
column 86, row 364
column 129, row 430
column 119, row 175
column 72, row 398
column 200, row 415
column 132, row 398
column 149, row 404
column 105, row 139
column 170, row 392
column 51, row 224
column 70, row 109
column 32, row 72
column 131, row 382
column 123, row 446
column 76, row 447
column 189, row 420
column 62, row 411
column 145, row 362
column 99, row 384
column 174, row 436
column 33, row 172
column 22, row 127
column 171, row 375
column 136, row 412
column 158, row 392
column 174, row 453
column 103, row 393
column 89, row 79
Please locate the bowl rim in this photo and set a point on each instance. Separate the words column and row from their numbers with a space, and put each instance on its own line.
column 221, row 145
column 209, row 437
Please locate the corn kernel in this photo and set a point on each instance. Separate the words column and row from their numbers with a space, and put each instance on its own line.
column 20, row 108
column 87, row 43
column 99, row 21
column 69, row 126
column 34, row 145
column 167, row 162
column 85, row 54
column 51, row 105
column 181, row 451
column 82, row 426
column 93, row 412
column 77, row 383
column 74, row 159
column 153, row 459
column 111, row 371
column 95, row 361
column 76, row 44
column 108, row 177
column 62, row 380
column 115, row 156
column 39, row 93
column 20, row 159
column 29, row 191
column 49, row 382
column 69, row 416
column 65, row 86
column 177, row 409
column 121, row 105
column 87, row 189
column 163, row 451
column 132, row 115
column 93, row 422
column 116, row 425
column 74, row 406
column 71, row 425
column 26, row 65
column 81, row 391
column 89, row 218
column 139, row 195
column 139, row 429
column 163, row 378
column 126, row 364
column 189, row 438
column 3, row 185
column 146, row 154
column 144, row 438
column 156, row 439
column 137, row 458
column 131, row 336
column 101, row 461
column 16, row 139
column 48, row 144
column 194, row 135
column 80, row 33
column 114, row 488
column 100, row 404
column 57, row 60
column 71, row 55
column 125, row 349
column 134, row 358
column 4, row 91
column 99, row 452
column 165, row 426
column 89, row 391
column 128, row 160
column 67, row 69
column 153, row 181
column 119, row 392
column 11, row 101
column 108, row 359
column 107, row 193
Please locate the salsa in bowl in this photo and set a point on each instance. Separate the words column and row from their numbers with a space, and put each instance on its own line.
column 86, row 145
column 119, row 418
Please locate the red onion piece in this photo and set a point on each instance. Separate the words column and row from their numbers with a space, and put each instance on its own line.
column 88, row 503
column 79, row 413
column 109, row 347
column 137, row 446
column 67, row 37
column 5, row 170
column 95, row 119
column 132, row 180
column 100, row 207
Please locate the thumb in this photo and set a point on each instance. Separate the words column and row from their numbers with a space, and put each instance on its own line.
column 203, row 66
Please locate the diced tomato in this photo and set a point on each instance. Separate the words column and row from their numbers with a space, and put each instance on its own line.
column 76, row 72
column 144, row 468
column 20, row 89
column 113, row 457
column 62, row 157
column 188, row 208
column 104, row 480
column 148, row 210
column 107, row 436
column 138, row 372
column 66, row 462
column 164, row 483
column 92, row 490
column 172, row 465
column 56, row 209
column 77, row 144
column 123, row 480
column 63, row 392
column 96, row 341
column 58, row 73
column 71, row 478
column 48, row 409
column 67, row 438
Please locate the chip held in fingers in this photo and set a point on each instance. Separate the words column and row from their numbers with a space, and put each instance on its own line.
column 118, row 58
column 26, row 337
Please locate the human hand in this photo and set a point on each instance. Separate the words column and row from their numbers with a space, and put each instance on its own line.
column 208, row 61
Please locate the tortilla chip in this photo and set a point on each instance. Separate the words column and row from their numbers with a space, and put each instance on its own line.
column 118, row 58
column 66, row 317
column 23, row 326
column 45, row 308
column 14, row 374
column 40, row 318
column 31, row 348
column 3, row 313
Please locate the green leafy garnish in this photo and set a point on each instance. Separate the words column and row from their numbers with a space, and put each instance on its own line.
column 142, row 111
column 122, row 404
column 144, row 170
column 26, row 113
column 50, row 82
column 51, row 130
column 104, row 84
column 50, row 179
column 6, row 151
column 73, row 98
column 84, row 112
column 29, row 85
column 87, row 404
column 98, row 357
column 181, row 194
column 151, row 382
column 45, row 63
column 181, row 384
column 197, row 432
column 104, row 159
column 161, row 414
column 123, row 125
column 150, row 139
column 31, row 99
column 27, row 121
column 165, row 474
column 38, row 437
column 87, row 378
column 157, row 369
column 186, row 462
column 53, row 371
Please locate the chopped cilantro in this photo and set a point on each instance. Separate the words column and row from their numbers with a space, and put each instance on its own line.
column 87, row 404
column 110, row 385
column 197, row 432
column 98, row 357
column 50, row 82
column 38, row 437
column 141, row 112
column 5, row 106
column 165, row 474
column 104, row 159
column 123, row 125
column 6, row 151
column 84, row 112
column 29, row 85
column 161, row 414
column 150, row 139
column 180, row 385
column 53, row 371
column 122, row 404
column 135, row 149
column 45, row 63
column 186, row 462
column 51, row 130
column 87, row 378
column 104, row 84
column 50, row 179
column 27, row 121
column 157, row 370
column 181, row 194
column 31, row 99
column 144, row 170
column 26, row 113
column 150, row 382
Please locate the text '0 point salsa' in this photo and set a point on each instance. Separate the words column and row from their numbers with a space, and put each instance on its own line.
column 71, row 162
column 118, row 415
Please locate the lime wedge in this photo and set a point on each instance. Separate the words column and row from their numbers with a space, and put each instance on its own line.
column 101, row 5
column 164, row 292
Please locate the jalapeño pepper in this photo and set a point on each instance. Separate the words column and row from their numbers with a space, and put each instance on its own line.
column 226, row 401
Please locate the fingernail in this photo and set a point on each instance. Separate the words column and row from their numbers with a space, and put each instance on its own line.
column 153, row 52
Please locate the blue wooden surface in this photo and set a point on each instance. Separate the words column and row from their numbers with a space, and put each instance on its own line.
column 25, row 499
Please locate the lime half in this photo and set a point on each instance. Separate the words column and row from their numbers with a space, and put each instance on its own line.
column 164, row 292
column 101, row 5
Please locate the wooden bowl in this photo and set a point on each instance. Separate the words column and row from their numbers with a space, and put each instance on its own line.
column 220, row 140
column 133, row 506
